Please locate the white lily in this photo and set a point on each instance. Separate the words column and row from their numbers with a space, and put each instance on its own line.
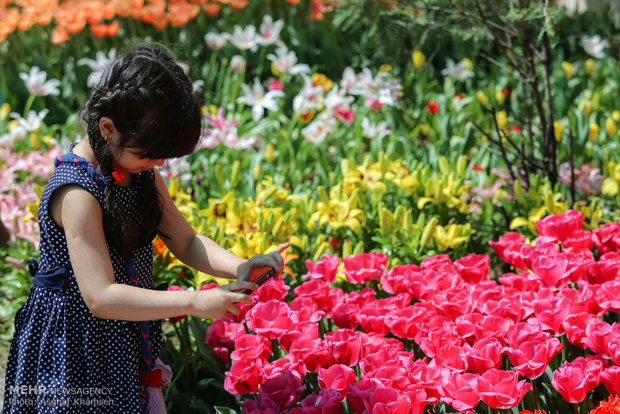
column 270, row 30
column 237, row 63
column 285, row 61
column 308, row 98
column 244, row 38
column 36, row 82
column 594, row 46
column 457, row 71
column 317, row 130
column 259, row 100
column 15, row 133
column 97, row 65
column 216, row 41
column 372, row 130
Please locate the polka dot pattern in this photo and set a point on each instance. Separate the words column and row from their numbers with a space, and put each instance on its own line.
column 62, row 358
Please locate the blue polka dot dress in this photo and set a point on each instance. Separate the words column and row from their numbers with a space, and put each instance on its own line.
column 62, row 358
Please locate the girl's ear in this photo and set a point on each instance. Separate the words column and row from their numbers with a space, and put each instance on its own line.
column 106, row 128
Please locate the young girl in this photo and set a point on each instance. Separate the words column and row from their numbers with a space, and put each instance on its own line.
column 87, row 339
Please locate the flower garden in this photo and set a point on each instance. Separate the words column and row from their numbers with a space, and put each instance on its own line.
column 450, row 196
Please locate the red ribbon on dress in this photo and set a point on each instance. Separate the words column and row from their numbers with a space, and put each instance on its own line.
column 153, row 378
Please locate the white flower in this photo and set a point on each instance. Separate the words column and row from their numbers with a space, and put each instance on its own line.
column 33, row 120
column 216, row 41
column 97, row 65
column 179, row 168
column 308, row 98
column 270, row 31
column 372, row 130
column 458, row 71
column 349, row 79
column 237, row 63
column 16, row 132
column 244, row 38
column 381, row 89
column 258, row 99
column 337, row 104
column 286, row 62
column 317, row 130
column 36, row 84
column 594, row 46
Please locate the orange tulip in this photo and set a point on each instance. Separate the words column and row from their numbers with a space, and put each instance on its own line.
column 59, row 35
column 211, row 9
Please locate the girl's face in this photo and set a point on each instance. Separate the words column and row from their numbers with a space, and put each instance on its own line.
column 132, row 160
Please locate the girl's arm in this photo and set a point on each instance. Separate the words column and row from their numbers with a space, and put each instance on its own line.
column 79, row 213
column 201, row 252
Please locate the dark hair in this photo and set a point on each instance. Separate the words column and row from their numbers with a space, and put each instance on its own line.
column 150, row 100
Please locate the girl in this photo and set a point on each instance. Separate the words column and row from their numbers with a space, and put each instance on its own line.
column 88, row 336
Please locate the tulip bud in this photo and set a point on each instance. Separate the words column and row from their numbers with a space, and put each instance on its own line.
column 499, row 97
column 610, row 126
column 256, row 171
column 468, row 64
column 501, row 118
column 616, row 115
column 4, row 111
column 235, row 174
column 418, row 59
column 593, row 130
column 557, row 130
column 269, row 153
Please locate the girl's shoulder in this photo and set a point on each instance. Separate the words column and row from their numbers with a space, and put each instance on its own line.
column 72, row 169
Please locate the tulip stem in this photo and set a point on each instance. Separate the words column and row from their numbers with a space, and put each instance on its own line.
column 576, row 407
column 535, row 392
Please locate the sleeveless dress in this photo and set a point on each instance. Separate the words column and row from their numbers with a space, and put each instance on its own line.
column 62, row 358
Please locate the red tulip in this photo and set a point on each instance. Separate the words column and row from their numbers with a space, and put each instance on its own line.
column 611, row 379
column 523, row 332
column 317, row 289
column 530, row 358
column 472, row 268
column 574, row 379
column 298, row 330
column 508, row 249
column 358, row 395
column 451, row 356
column 337, row 377
column 305, row 309
column 364, row 267
column 599, row 335
column 269, row 319
column 501, row 389
column 372, row 319
column 458, row 391
column 560, row 227
column 483, row 355
column 326, row 268
column 395, row 281
column 384, row 400
column 520, row 281
column 453, row 302
column 251, row 347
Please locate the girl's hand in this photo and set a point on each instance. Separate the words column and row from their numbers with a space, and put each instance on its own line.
column 261, row 263
column 220, row 302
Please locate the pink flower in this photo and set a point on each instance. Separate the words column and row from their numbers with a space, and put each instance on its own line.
column 223, row 333
column 574, row 379
column 608, row 296
column 508, row 249
column 318, row 290
column 358, row 395
column 560, row 227
column 275, row 85
column 458, row 390
column 326, row 268
column 244, row 377
column 472, row 268
column 501, row 389
column 384, row 400
column 344, row 345
column 395, row 280
column 551, row 270
column 403, row 322
column 251, row 347
column 298, row 330
column 605, row 270
column 611, row 379
column 607, row 238
column 579, row 240
column 364, row 267
column 277, row 367
column 284, row 389
column 433, row 107
column 531, row 358
column 483, row 355
column 372, row 319
column 337, row 377
column 575, row 327
column 305, row 309
column 312, row 352
column 599, row 335
column 325, row 402
column 269, row 319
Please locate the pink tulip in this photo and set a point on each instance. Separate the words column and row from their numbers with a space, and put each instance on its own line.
column 483, row 355
column 305, row 309
column 251, row 347
column 344, row 315
column 271, row 290
column 372, row 319
column 298, row 330
column 244, row 377
column 599, row 335
column 458, row 391
column 358, row 394
column 269, row 319
column 317, row 290
column 396, row 280
column 611, row 379
column 559, row 227
column 574, row 379
column 283, row 389
column 277, row 367
column 439, row 263
column 530, row 358
column 325, row 402
column 312, row 352
column 579, row 240
column 326, row 268
column 337, row 377
column 607, row 238
column 575, row 327
column 551, row 270
column 605, row 270
column 608, row 296
column 472, row 268
column 508, row 249
column 403, row 322
column 501, row 389
column 344, row 345
column 384, row 400
column 364, row 267
column 223, row 332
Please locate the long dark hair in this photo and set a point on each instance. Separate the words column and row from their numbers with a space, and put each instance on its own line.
column 150, row 100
